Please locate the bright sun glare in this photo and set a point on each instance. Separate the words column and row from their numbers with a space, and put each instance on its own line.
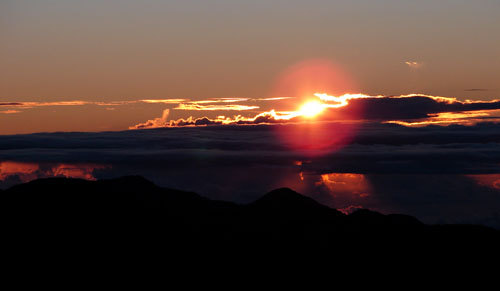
column 311, row 109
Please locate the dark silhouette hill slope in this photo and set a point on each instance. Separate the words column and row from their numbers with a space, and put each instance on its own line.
column 132, row 212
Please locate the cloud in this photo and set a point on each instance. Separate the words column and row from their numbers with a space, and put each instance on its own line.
column 32, row 104
column 373, row 148
column 164, row 101
column 437, row 173
column 489, row 180
column 12, row 172
column 447, row 118
column 410, row 110
column 221, row 100
column 182, row 104
column 414, row 64
column 195, row 106
column 39, row 104
column 154, row 123
column 8, row 104
column 10, row 111
column 274, row 98
column 476, row 90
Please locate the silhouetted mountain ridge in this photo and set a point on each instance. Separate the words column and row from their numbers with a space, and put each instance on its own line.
column 135, row 210
column 286, row 198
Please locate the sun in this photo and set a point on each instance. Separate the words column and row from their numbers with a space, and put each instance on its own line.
column 311, row 109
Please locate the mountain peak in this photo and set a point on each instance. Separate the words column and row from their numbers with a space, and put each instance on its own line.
column 287, row 200
column 285, row 195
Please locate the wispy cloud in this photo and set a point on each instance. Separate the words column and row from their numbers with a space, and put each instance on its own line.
column 10, row 111
column 195, row 106
column 32, row 104
column 38, row 104
column 273, row 98
column 447, row 118
column 27, row 171
column 183, row 104
column 476, row 90
column 408, row 110
column 221, row 100
column 165, row 101
column 413, row 64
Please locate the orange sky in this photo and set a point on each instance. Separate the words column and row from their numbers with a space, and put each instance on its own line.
column 132, row 50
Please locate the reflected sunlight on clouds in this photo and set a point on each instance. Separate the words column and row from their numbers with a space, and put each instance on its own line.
column 346, row 184
column 414, row 64
column 407, row 110
column 26, row 171
column 10, row 111
column 487, row 180
column 231, row 107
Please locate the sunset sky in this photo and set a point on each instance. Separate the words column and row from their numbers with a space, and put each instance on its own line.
column 390, row 105
column 100, row 52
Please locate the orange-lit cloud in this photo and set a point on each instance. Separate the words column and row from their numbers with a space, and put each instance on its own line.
column 39, row 104
column 342, row 183
column 74, row 171
column 447, row 118
column 265, row 117
column 312, row 108
column 340, row 101
column 165, row 101
column 413, row 64
column 487, row 180
column 182, row 104
column 406, row 110
column 350, row 209
column 223, row 107
column 319, row 106
column 221, row 100
column 26, row 172
column 32, row 104
column 447, row 100
column 273, row 98
column 154, row 123
column 10, row 111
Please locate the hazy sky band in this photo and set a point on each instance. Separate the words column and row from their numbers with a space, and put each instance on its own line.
column 53, row 49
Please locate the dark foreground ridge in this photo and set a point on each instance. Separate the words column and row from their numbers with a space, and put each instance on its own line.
column 131, row 212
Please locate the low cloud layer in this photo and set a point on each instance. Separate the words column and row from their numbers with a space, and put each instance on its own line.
column 437, row 173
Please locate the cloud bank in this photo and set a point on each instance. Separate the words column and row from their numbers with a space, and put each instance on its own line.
column 411, row 110
column 437, row 173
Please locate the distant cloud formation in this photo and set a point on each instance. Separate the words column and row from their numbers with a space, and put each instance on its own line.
column 154, row 123
column 413, row 64
column 410, row 110
column 31, row 104
column 476, row 90
column 10, row 111
column 40, row 104
column 407, row 110
column 27, row 171
column 165, row 101
column 196, row 106
column 385, row 167
column 211, row 104
column 273, row 98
